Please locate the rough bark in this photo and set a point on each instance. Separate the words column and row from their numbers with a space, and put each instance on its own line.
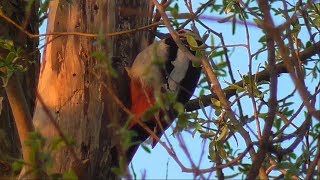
column 81, row 105
column 17, row 11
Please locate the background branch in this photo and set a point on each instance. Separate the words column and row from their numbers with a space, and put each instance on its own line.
column 264, row 75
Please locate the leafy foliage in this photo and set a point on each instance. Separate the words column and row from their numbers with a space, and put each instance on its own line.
column 12, row 62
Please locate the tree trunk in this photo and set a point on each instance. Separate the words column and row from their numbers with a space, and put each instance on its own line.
column 27, row 18
column 69, row 85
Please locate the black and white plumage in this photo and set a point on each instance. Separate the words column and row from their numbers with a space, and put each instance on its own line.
column 182, row 76
column 161, row 68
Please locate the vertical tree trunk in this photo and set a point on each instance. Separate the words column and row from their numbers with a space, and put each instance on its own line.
column 70, row 90
column 27, row 18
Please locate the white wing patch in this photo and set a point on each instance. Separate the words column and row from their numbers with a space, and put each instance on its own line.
column 181, row 64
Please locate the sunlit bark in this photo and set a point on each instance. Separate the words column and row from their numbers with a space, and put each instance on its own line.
column 69, row 83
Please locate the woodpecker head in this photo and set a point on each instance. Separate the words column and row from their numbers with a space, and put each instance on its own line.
column 154, row 64
column 183, row 33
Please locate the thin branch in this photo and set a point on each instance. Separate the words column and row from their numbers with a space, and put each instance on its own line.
column 222, row 166
column 314, row 163
column 261, row 76
column 211, row 76
column 274, row 166
column 174, row 34
column 197, row 13
column 291, row 67
column 225, row 51
column 89, row 35
column 156, row 18
column 272, row 104
column 251, row 80
column 113, row 95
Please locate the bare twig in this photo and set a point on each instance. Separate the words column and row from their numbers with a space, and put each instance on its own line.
column 156, row 18
column 252, row 80
column 89, row 35
column 197, row 13
column 291, row 67
column 261, row 76
column 314, row 163
column 225, row 51
column 265, row 140
column 173, row 33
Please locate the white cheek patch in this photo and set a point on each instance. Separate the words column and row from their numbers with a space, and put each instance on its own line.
column 181, row 64
column 145, row 66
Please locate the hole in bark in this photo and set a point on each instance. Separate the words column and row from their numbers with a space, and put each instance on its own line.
column 84, row 150
column 95, row 7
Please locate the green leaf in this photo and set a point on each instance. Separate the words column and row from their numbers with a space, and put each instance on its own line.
column 232, row 176
column 6, row 44
column 207, row 134
column 10, row 57
column 197, row 64
column 224, row 134
column 308, row 44
column 193, row 115
column 212, row 40
column 17, row 165
column 217, row 111
column 229, row 7
column 221, row 151
column 314, row 73
column 234, row 23
column 179, row 108
column 70, row 175
column 238, row 89
column 192, row 41
column 144, row 147
column 262, row 39
column 47, row 158
column 293, row 155
column 263, row 115
column 216, row 54
column 215, row 102
column 182, row 122
column 198, row 55
column 258, row 23
column 174, row 10
column 57, row 143
column 212, row 153
column 133, row 171
column 277, row 123
column 150, row 113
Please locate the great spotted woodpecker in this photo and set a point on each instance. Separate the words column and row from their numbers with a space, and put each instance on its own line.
column 161, row 68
